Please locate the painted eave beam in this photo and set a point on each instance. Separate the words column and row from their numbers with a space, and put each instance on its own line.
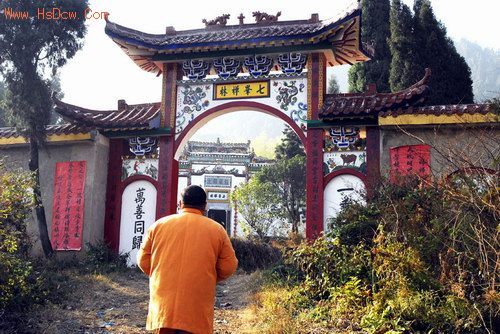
column 340, row 121
column 323, row 46
column 166, row 131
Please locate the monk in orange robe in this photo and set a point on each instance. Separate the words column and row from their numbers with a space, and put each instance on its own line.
column 185, row 255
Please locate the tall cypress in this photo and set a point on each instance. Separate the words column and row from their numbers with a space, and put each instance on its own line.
column 405, row 68
column 450, row 81
column 375, row 32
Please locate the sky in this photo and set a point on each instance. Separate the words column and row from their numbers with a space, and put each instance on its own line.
column 100, row 73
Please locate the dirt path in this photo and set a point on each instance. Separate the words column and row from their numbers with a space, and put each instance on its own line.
column 117, row 303
column 233, row 296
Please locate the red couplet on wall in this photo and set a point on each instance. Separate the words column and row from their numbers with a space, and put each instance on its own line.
column 410, row 160
column 68, row 205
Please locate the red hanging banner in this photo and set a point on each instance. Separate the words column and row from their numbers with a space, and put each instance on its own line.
column 410, row 160
column 68, row 205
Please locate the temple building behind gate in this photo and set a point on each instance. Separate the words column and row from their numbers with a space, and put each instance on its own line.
column 219, row 168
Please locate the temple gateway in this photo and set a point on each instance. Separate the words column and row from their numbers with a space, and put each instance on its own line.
column 108, row 175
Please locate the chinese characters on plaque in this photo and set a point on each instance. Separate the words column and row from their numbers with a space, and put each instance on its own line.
column 68, row 205
column 241, row 90
column 410, row 160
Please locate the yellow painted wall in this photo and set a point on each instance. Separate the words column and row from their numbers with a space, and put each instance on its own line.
column 50, row 139
column 440, row 119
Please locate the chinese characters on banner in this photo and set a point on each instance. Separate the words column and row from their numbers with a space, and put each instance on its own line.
column 410, row 160
column 314, row 183
column 138, row 213
column 139, row 221
column 241, row 90
column 68, row 205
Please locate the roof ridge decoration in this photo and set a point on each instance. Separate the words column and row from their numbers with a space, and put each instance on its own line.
column 220, row 21
column 423, row 81
column 262, row 17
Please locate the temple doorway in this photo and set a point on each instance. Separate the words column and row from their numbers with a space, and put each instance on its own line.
column 220, row 216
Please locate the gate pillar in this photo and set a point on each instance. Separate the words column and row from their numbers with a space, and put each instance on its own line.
column 316, row 73
column 168, row 167
column 113, row 195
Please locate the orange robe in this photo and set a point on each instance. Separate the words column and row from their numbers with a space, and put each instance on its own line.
column 185, row 255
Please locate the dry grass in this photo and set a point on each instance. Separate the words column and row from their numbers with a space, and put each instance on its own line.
column 279, row 310
column 117, row 303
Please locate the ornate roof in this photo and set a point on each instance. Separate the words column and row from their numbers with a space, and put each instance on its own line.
column 197, row 147
column 135, row 116
column 339, row 40
column 372, row 103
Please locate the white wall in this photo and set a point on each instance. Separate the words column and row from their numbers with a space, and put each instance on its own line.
column 336, row 191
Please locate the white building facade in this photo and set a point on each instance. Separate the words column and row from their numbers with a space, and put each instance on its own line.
column 219, row 168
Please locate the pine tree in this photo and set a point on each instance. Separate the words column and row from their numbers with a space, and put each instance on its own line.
column 290, row 145
column 374, row 31
column 450, row 81
column 404, row 68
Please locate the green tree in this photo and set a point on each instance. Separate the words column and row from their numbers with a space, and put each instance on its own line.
column 451, row 81
column 18, row 280
column 374, row 31
column 257, row 203
column 405, row 69
column 333, row 85
column 30, row 51
column 287, row 178
column 7, row 119
column 290, row 145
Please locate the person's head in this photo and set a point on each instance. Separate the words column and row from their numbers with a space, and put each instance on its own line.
column 194, row 197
